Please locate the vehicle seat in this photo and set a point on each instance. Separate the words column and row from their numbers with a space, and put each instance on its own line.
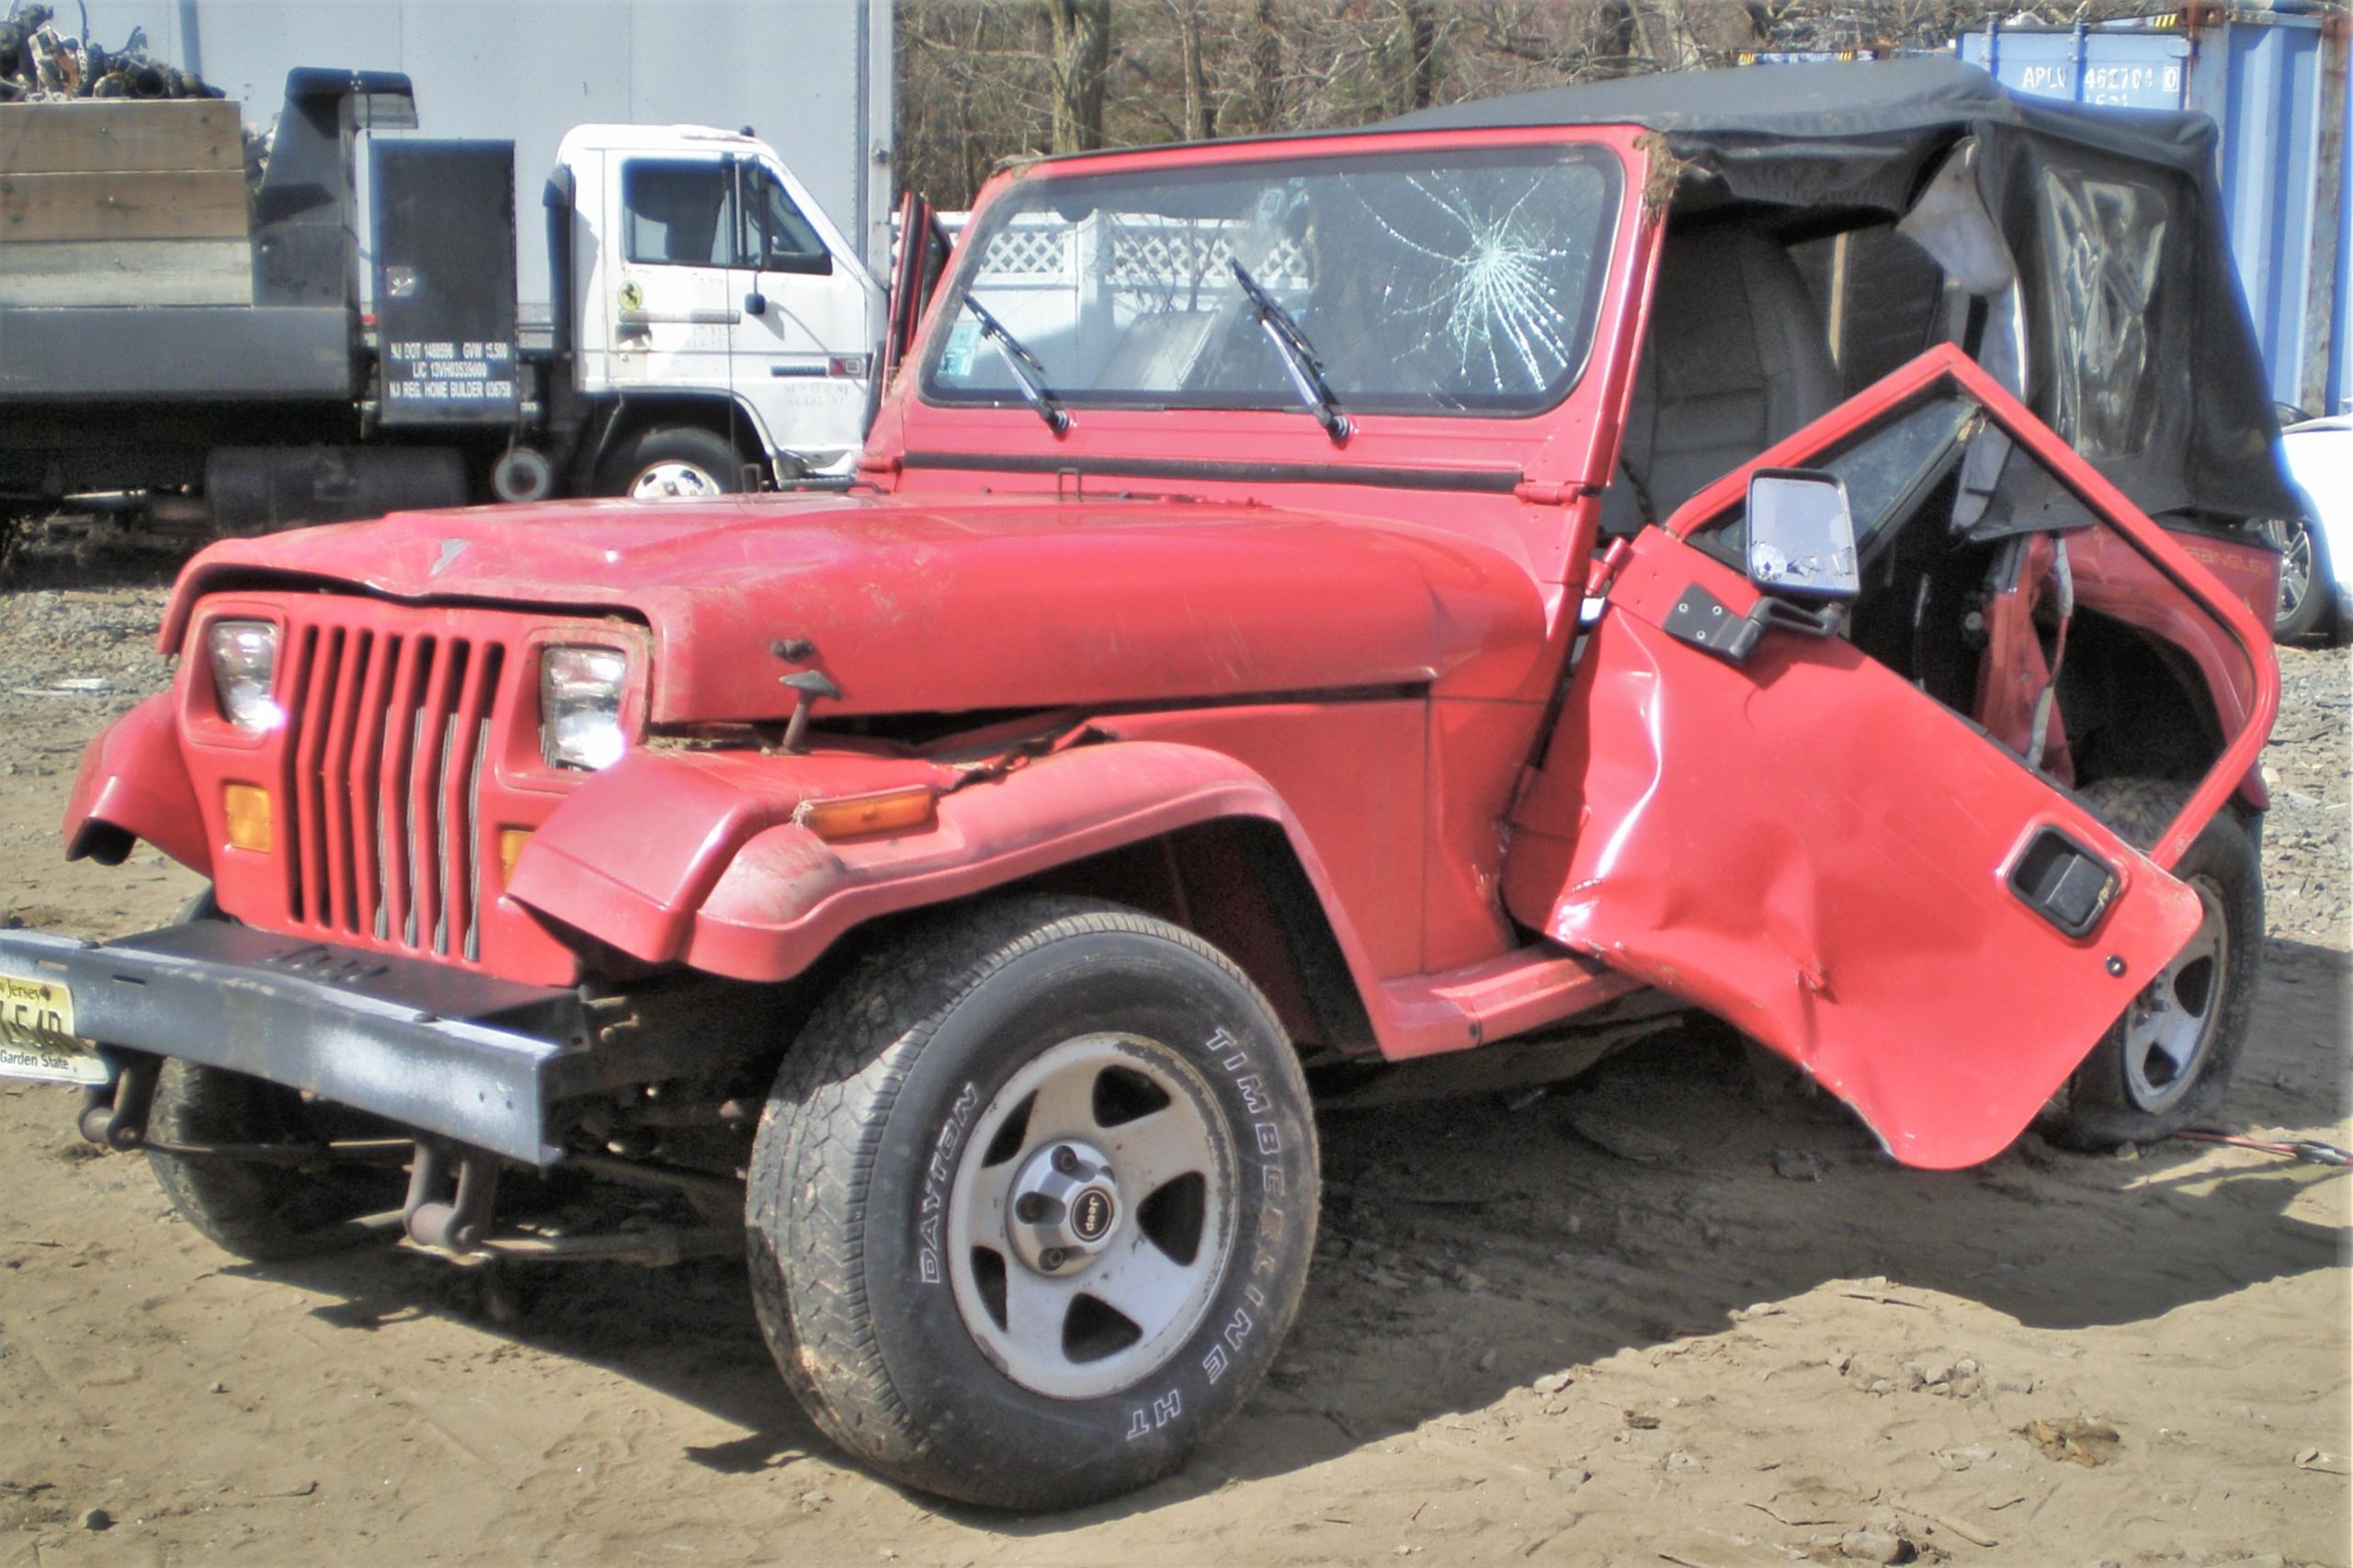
column 1737, row 359
column 1157, row 352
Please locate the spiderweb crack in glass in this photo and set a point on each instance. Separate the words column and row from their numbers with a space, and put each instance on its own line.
column 1492, row 295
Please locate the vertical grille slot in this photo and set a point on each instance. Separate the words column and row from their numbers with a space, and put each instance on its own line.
column 475, row 680
column 422, row 801
column 361, row 784
column 332, row 779
column 301, row 707
column 437, row 744
column 401, row 714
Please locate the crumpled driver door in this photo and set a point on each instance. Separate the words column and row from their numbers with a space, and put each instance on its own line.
column 1808, row 845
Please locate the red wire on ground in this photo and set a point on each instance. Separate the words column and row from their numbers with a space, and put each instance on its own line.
column 2312, row 1150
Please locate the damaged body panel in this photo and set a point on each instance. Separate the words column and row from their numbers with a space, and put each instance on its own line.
column 1813, row 848
column 1476, row 588
column 1822, row 895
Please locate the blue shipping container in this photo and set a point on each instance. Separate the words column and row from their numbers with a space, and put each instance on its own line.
column 2274, row 83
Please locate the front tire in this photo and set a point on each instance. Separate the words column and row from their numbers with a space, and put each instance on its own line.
column 2165, row 1065
column 264, row 1212
column 1032, row 1203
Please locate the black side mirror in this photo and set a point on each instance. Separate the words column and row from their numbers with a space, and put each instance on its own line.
column 755, row 303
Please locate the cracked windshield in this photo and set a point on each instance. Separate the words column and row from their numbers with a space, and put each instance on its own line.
column 1431, row 283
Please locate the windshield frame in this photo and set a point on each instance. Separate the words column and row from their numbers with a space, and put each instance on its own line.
column 1268, row 165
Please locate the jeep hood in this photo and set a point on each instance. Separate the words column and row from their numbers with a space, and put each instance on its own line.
column 967, row 605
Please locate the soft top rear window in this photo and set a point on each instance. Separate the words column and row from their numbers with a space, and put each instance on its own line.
column 1456, row 281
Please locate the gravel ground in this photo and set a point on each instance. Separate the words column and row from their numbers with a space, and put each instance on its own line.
column 2308, row 833
column 70, row 661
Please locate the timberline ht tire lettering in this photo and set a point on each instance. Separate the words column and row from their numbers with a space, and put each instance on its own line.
column 1144, row 1050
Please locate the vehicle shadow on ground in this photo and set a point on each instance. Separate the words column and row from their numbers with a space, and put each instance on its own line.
column 1470, row 1247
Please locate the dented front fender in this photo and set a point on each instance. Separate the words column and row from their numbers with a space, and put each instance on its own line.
column 630, row 856
column 135, row 784
column 703, row 860
column 786, row 898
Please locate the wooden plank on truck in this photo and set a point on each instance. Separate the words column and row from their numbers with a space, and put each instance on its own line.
column 171, row 205
column 120, row 136
column 127, row 272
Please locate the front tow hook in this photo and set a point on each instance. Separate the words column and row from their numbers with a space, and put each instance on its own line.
column 114, row 1116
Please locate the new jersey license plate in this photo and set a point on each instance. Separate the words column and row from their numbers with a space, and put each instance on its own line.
column 37, row 1038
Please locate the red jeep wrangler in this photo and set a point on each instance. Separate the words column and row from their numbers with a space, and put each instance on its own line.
column 1475, row 585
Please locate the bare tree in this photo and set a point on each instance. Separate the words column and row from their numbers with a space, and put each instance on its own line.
column 1416, row 54
column 983, row 81
column 1199, row 122
column 1081, row 41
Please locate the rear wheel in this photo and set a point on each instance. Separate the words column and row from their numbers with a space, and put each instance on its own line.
column 2165, row 1063
column 2304, row 588
column 1032, row 1203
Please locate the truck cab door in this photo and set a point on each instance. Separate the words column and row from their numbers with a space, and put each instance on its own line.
column 1782, row 810
column 673, row 298
column 812, row 321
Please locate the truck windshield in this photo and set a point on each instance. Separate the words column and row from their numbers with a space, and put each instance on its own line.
column 1430, row 283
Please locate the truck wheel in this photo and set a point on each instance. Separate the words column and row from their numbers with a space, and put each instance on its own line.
column 1032, row 1202
column 265, row 1212
column 2165, row 1065
column 675, row 462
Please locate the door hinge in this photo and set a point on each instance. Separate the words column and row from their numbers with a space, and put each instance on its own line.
column 1606, row 567
column 1549, row 492
column 1705, row 621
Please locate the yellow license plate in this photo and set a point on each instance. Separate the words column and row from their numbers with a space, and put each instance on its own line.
column 37, row 1036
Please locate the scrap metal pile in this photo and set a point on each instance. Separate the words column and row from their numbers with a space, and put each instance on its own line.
column 39, row 63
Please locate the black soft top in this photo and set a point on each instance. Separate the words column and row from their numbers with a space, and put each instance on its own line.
column 2112, row 215
column 1842, row 100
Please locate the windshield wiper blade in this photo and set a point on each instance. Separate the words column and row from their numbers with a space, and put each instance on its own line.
column 1027, row 373
column 1298, row 354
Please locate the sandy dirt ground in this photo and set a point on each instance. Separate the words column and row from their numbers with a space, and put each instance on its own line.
column 1742, row 1338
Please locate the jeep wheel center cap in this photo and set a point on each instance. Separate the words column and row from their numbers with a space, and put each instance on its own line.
column 1063, row 1206
column 1091, row 1213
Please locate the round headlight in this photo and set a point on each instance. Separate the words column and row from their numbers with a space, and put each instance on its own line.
column 580, row 706
column 244, row 672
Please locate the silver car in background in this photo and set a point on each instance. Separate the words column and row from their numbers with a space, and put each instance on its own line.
column 2316, row 558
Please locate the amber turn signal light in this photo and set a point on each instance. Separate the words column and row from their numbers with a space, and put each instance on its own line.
column 890, row 811
column 510, row 850
column 248, row 810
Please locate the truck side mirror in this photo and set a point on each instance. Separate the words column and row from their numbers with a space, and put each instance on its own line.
column 755, row 303
column 1801, row 534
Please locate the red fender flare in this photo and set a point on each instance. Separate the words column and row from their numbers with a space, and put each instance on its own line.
column 721, row 878
column 633, row 851
column 135, row 780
